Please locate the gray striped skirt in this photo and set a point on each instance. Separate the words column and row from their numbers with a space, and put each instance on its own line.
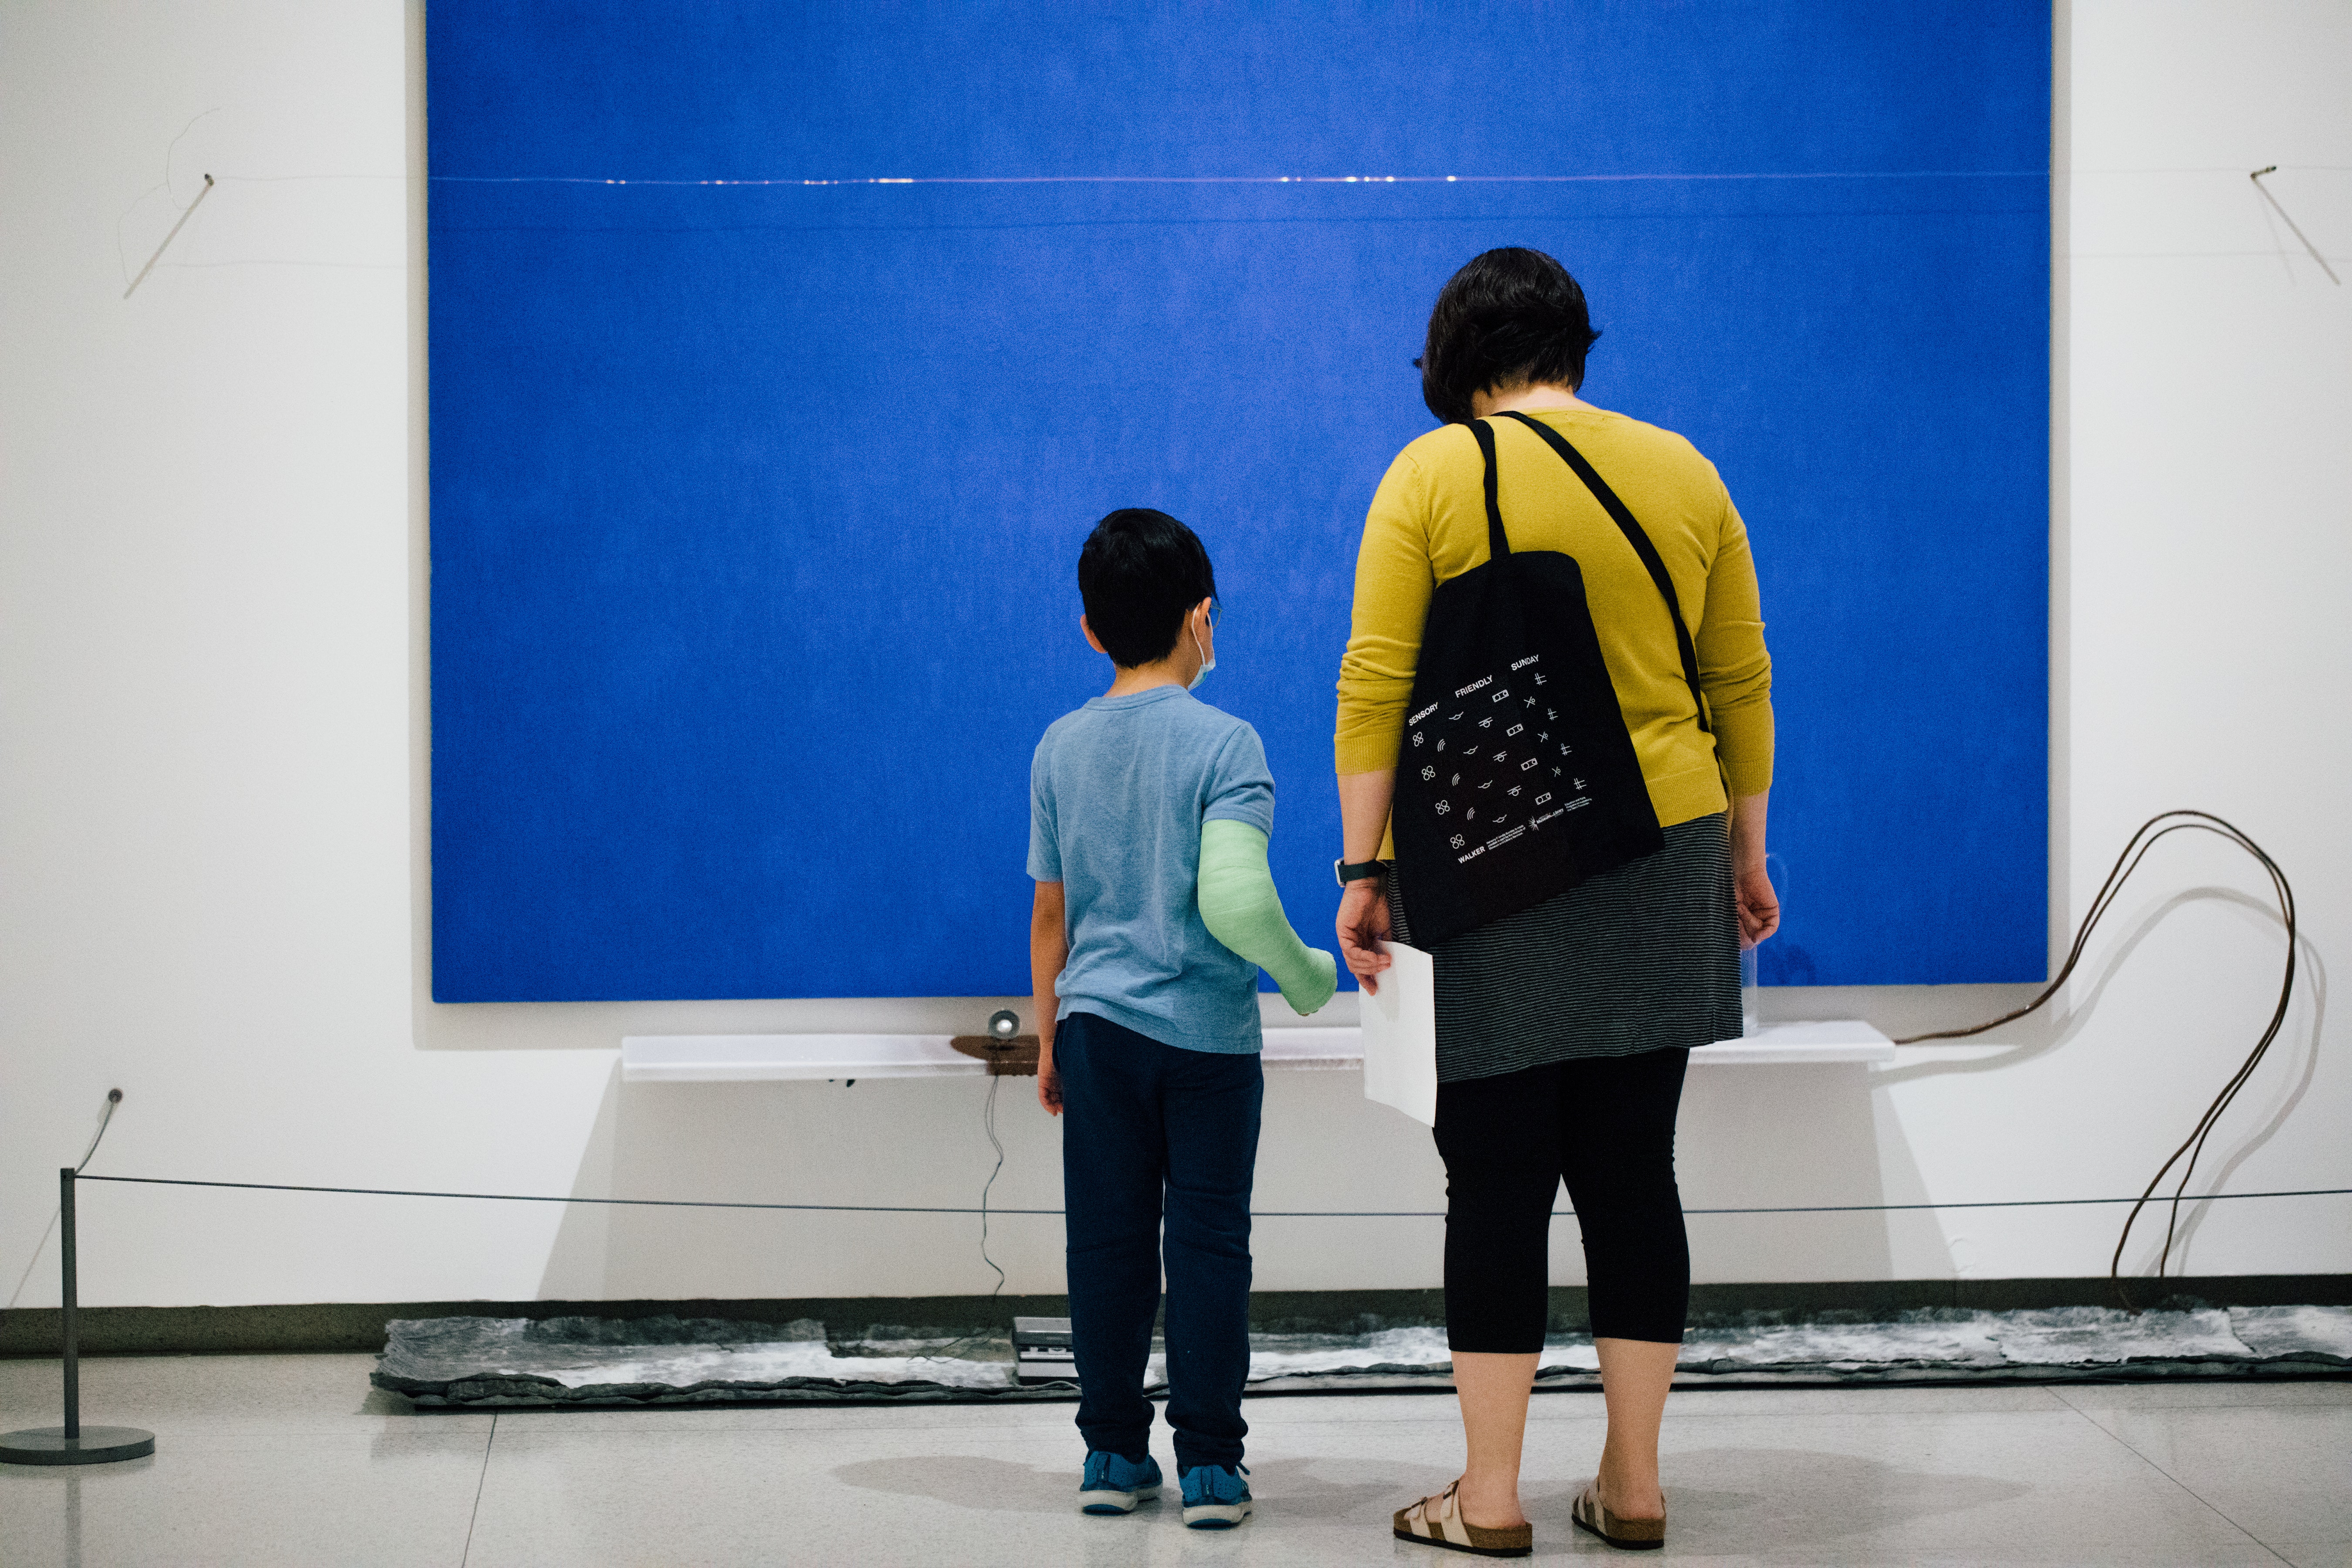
column 1643, row 958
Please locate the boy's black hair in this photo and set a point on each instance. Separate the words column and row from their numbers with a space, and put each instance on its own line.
column 1509, row 316
column 1139, row 575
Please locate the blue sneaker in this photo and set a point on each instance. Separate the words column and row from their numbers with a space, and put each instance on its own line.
column 1215, row 1498
column 1113, row 1483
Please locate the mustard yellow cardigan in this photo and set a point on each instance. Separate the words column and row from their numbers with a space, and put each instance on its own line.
column 1428, row 524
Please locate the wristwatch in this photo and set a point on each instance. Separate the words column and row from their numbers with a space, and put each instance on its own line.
column 1358, row 870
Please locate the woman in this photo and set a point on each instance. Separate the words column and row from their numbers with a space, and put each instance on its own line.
column 1563, row 1030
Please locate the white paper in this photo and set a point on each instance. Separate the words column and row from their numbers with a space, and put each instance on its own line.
column 1399, row 1025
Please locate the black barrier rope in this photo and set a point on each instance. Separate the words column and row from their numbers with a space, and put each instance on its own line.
column 1256, row 1213
column 2184, row 1159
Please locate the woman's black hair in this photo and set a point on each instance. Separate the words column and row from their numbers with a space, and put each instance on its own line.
column 1141, row 574
column 1509, row 316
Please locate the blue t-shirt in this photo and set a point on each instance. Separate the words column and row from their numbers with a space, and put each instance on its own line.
column 1118, row 792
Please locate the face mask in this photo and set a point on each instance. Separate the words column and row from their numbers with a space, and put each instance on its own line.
column 1207, row 663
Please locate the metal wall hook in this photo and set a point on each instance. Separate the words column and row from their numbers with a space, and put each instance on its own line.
column 2257, row 178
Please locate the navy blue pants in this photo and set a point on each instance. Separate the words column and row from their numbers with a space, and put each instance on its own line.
column 1151, row 1133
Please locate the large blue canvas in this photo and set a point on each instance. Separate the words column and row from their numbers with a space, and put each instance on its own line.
column 756, row 507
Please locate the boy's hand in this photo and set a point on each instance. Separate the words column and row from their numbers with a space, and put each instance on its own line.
column 1364, row 922
column 1049, row 1083
column 1049, row 953
column 1319, row 987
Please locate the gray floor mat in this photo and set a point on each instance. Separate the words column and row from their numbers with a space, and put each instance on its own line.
column 507, row 1362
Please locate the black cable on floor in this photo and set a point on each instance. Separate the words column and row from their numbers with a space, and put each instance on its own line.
column 988, row 1125
column 2151, row 832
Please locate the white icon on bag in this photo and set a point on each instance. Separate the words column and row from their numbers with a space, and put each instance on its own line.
column 1416, row 737
column 1458, row 841
column 1428, row 773
column 1442, row 807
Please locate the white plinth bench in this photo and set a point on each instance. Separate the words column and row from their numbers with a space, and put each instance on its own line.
column 744, row 1059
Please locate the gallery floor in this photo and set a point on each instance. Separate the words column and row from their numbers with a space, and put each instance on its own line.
column 292, row 1459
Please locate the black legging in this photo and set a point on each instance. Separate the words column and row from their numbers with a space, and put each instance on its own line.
column 1606, row 1124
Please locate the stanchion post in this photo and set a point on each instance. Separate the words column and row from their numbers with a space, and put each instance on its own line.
column 68, row 1297
column 68, row 1444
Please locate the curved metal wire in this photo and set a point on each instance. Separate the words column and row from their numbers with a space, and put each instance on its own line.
column 2153, row 831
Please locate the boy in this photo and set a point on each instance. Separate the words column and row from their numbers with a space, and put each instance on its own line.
column 1148, row 817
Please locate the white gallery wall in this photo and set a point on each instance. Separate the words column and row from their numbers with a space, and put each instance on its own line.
column 213, row 818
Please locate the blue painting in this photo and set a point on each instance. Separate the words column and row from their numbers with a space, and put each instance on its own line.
column 782, row 357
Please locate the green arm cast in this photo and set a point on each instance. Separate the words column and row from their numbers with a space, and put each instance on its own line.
column 1241, row 908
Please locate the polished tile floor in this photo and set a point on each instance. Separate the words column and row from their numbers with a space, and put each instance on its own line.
column 291, row 1459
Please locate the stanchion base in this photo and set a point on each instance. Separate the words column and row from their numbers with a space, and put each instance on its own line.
column 96, row 1446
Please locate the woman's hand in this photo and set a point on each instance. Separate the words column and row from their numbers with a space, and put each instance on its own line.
column 1759, row 907
column 1363, row 920
column 1049, row 1083
column 1363, row 923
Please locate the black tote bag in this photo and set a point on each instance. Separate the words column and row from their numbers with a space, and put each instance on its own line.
column 1516, row 778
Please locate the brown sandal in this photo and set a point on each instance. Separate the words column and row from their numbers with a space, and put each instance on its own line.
column 1632, row 1534
column 1438, row 1521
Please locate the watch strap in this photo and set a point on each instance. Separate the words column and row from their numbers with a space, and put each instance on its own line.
column 1358, row 870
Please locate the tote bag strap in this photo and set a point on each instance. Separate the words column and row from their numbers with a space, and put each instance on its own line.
column 1498, row 543
column 1625, row 523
